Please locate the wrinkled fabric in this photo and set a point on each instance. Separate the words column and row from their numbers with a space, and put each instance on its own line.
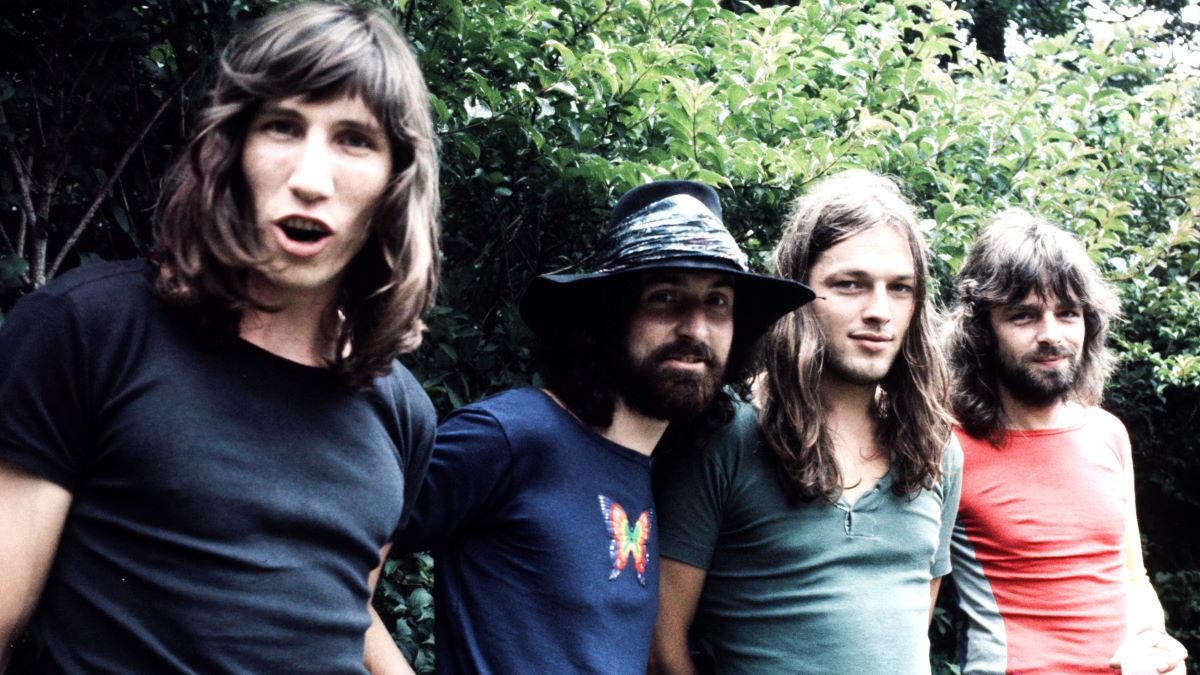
column 676, row 227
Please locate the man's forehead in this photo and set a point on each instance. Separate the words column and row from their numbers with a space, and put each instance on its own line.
column 880, row 250
column 1039, row 297
column 342, row 107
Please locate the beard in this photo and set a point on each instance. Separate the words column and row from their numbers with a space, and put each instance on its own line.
column 1034, row 388
column 862, row 375
column 652, row 388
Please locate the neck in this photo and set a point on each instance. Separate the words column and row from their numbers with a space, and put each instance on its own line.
column 1023, row 415
column 294, row 332
column 846, row 400
column 634, row 430
column 850, row 420
column 852, row 426
column 630, row 429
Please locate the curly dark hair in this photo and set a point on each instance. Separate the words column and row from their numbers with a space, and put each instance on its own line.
column 1018, row 253
column 207, row 241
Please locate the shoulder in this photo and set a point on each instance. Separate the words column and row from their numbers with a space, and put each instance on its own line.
column 968, row 445
column 733, row 443
column 99, row 279
column 517, row 408
column 952, row 456
column 1102, row 418
column 102, row 299
column 513, row 412
column 1107, row 430
column 104, row 293
column 408, row 393
column 498, row 428
column 742, row 430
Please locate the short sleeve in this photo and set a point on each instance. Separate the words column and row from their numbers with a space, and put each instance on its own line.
column 468, row 468
column 42, row 389
column 951, row 486
column 422, row 425
column 693, row 492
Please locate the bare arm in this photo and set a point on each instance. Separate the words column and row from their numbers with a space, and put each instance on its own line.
column 1146, row 631
column 934, row 587
column 679, row 590
column 380, row 653
column 32, row 513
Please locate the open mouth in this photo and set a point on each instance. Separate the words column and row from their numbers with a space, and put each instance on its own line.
column 303, row 230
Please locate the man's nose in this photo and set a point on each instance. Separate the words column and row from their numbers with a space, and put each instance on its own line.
column 1049, row 330
column 312, row 177
column 693, row 322
column 878, row 309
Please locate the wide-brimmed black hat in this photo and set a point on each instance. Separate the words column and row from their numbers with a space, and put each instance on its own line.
column 667, row 225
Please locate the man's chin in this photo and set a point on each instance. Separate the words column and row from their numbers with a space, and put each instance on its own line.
column 675, row 399
column 1039, row 390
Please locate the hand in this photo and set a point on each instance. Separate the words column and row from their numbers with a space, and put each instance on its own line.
column 1153, row 648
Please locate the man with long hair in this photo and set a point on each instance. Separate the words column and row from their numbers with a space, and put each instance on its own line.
column 1047, row 554
column 204, row 457
column 538, row 503
column 811, row 534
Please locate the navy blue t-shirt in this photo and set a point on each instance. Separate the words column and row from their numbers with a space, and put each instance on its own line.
column 545, row 542
column 227, row 504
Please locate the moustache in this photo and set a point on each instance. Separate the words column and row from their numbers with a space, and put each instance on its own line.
column 1050, row 352
column 684, row 349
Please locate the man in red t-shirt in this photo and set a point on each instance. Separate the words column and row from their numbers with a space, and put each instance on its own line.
column 1047, row 555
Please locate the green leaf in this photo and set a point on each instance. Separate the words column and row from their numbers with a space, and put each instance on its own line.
column 13, row 269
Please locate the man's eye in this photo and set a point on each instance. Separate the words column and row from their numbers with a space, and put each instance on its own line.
column 720, row 302
column 660, row 296
column 901, row 289
column 279, row 127
column 847, row 285
column 719, row 305
column 357, row 141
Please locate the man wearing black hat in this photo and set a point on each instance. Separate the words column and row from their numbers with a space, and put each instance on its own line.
column 538, row 503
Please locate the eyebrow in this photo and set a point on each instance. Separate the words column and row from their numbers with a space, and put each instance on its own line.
column 863, row 274
column 371, row 127
column 1033, row 307
column 277, row 109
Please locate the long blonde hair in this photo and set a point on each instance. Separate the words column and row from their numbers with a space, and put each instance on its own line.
column 914, row 425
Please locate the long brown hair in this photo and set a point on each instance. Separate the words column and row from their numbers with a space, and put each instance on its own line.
column 207, row 240
column 1017, row 253
column 913, row 423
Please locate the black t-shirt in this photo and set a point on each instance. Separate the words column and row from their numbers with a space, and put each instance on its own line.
column 228, row 504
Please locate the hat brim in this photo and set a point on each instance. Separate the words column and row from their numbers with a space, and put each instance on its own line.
column 759, row 300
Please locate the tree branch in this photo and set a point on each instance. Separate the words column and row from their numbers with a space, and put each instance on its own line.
column 408, row 18
column 111, row 179
column 25, row 185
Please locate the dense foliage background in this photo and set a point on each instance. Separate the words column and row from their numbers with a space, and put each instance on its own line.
column 547, row 110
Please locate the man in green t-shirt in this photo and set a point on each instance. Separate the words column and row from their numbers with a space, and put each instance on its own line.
column 811, row 534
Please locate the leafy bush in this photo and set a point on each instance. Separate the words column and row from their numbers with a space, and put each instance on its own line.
column 547, row 110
